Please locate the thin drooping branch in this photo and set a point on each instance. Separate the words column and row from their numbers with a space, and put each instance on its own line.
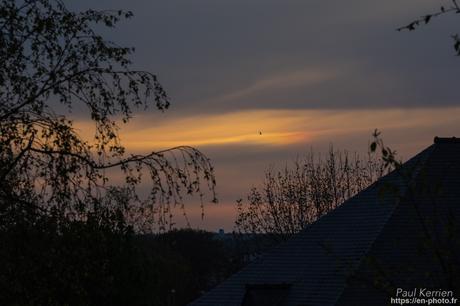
column 51, row 55
column 427, row 18
column 424, row 20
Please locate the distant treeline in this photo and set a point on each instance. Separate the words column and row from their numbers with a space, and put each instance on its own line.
column 100, row 262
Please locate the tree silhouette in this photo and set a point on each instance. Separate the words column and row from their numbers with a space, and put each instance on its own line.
column 294, row 197
column 51, row 55
column 66, row 231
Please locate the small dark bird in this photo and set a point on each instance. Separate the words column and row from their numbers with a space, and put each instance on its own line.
column 260, row 133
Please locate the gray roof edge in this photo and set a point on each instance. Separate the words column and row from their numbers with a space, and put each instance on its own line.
column 422, row 157
column 420, row 160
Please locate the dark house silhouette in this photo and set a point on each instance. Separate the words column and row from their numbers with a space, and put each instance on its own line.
column 401, row 232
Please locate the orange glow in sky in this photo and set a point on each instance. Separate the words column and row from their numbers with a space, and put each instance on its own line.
column 269, row 127
column 266, row 133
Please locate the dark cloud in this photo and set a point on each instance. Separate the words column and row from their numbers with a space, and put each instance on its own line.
column 213, row 55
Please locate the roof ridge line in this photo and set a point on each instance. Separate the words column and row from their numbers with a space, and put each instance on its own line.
column 417, row 169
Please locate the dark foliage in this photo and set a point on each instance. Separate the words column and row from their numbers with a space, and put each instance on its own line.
column 207, row 261
column 101, row 262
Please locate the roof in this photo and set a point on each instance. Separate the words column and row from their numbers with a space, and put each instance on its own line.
column 265, row 294
column 340, row 259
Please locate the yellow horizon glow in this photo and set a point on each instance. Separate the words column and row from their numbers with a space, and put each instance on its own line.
column 254, row 127
column 278, row 127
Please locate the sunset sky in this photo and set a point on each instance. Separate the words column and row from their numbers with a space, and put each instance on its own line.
column 306, row 74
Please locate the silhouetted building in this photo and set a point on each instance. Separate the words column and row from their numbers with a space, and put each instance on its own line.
column 401, row 232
